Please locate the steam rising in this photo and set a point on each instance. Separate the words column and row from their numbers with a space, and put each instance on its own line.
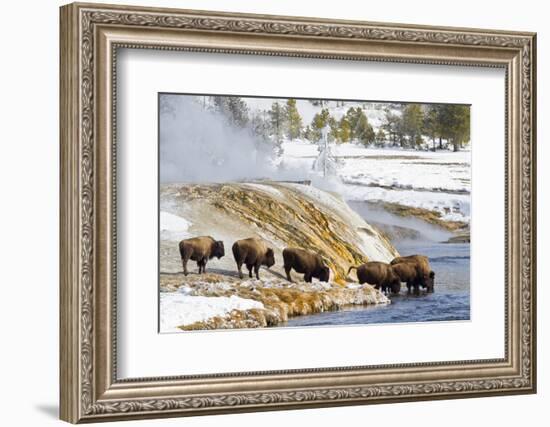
column 199, row 145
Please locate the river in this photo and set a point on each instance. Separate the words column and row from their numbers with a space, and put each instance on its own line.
column 450, row 301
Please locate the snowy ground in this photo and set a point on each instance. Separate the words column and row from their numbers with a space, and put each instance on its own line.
column 437, row 181
column 179, row 308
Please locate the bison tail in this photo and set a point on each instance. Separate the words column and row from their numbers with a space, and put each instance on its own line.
column 351, row 268
column 235, row 250
column 181, row 248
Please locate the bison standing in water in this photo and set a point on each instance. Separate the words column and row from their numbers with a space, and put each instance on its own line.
column 379, row 274
column 312, row 265
column 407, row 273
column 254, row 253
column 425, row 276
column 200, row 249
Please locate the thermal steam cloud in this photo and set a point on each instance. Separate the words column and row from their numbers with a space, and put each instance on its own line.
column 198, row 145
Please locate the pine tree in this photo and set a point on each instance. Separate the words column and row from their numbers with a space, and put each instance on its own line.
column 319, row 121
column 344, row 130
column 431, row 123
column 334, row 129
column 260, row 129
column 380, row 138
column 361, row 130
column 276, row 122
column 308, row 134
column 233, row 108
column 454, row 124
column 293, row 120
column 392, row 126
column 413, row 119
column 459, row 125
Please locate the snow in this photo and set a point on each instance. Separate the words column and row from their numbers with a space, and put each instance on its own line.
column 268, row 189
column 173, row 227
column 438, row 181
column 181, row 308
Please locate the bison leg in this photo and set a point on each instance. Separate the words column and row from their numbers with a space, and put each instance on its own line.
column 240, row 269
column 257, row 271
column 249, row 266
column 287, row 271
column 307, row 277
column 202, row 265
column 184, row 261
column 184, row 264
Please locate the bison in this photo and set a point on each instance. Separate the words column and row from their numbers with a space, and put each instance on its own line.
column 252, row 252
column 200, row 249
column 406, row 271
column 312, row 265
column 425, row 276
column 379, row 274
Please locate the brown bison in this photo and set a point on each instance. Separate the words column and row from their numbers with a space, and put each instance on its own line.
column 252, row 252
column 379, row 274
column 407, row 273
column 200, row 249
column 312, row 265
column 425, row 276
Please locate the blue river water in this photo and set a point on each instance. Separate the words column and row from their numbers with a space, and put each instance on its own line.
column 450, row 301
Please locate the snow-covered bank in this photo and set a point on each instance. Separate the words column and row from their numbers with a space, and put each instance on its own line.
column 179, row 309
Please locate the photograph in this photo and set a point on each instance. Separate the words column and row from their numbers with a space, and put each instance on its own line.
column 300, row 212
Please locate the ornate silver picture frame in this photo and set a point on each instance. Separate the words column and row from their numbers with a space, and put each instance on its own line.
column 91, row 36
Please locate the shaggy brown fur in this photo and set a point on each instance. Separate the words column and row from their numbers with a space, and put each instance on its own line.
column 200, row 249
column 252, row 252
column 425, row 276
column 312, row 265
column 379, row 274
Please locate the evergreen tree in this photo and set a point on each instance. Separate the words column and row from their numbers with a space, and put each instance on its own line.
column 344, row 130
column 360, row 128
column 392, row 126
column 432, row 127
column 454, row 124
column 293, row 119
column 233, row 108
column 319, row 121
column 413, row 120
column 260, row 129
column 380, row 138
column 308, row 134
column 459, row 126
column 276, row 122
column 334, row 129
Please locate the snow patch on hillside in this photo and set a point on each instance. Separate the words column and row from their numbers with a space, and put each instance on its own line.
column 173, row 227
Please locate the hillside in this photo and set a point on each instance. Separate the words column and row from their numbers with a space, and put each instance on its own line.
column 284, row 214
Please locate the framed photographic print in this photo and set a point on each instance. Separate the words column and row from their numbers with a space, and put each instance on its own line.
column 267, row 212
